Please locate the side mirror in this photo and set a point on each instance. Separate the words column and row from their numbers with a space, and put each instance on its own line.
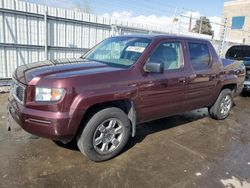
column 84, row 52
column 154, row 67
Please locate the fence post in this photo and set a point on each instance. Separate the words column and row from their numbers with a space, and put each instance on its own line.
column 46, row 35
column 114, row 30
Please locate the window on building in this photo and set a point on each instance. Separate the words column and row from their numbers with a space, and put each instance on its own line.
column 238, row 22
column 199, row 56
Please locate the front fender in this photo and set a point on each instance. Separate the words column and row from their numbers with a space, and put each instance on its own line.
column 82, row 103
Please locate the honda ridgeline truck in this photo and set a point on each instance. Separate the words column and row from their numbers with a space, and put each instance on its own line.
column 99, row 98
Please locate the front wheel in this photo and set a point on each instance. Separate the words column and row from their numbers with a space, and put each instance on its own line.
column 105, row 134
column 223, row 105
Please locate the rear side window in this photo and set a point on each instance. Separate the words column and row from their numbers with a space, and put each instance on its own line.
column 199, row 56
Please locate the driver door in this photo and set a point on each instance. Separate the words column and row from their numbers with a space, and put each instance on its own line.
column 162, row 94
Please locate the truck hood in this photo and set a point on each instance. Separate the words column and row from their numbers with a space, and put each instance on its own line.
column 61, row 68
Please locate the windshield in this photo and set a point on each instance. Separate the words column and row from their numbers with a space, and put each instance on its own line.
column 118, row 51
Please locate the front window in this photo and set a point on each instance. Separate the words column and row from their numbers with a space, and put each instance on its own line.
column 118, row 51
column 169, row 54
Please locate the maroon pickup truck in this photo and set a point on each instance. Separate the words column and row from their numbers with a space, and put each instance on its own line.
column 99, row 98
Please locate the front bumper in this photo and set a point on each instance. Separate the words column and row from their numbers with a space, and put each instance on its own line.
column 52, row 125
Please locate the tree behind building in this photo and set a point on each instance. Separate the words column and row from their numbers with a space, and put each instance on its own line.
column 203, row 26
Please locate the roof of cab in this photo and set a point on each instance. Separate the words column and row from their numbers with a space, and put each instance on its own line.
column 163, row 36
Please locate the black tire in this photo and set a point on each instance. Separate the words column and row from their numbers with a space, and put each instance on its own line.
column 215, row 111
column 85, row 140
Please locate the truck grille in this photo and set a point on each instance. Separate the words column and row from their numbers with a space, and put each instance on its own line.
column 18, row 91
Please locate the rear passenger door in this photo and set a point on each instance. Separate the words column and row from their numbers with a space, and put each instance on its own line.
column 202, row 80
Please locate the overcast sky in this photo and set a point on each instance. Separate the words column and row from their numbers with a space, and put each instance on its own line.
column 157, row 12
column 141, row 7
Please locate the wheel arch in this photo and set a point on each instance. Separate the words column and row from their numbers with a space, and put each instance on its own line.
column 125, row 105
column 232, row 87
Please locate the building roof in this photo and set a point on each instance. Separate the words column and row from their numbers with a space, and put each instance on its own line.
column 236, row 2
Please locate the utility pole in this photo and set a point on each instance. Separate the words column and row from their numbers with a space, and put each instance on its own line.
column 223, row 37
column 190, row 22
column 174, row 19
column 200, row 25
column 180, row 21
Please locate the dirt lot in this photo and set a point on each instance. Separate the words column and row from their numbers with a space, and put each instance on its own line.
column 189, row 150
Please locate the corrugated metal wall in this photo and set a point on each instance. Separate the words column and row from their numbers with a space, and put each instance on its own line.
column 31, row 32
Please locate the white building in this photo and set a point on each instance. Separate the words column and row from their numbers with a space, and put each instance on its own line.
column 238, row 20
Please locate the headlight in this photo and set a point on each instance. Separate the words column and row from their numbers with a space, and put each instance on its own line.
column 48, row 94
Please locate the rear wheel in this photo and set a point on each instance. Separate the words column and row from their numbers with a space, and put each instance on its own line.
column 105, row 134
column 223, row 105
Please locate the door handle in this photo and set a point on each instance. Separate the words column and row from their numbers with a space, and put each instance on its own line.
column 193, row 76
column 164, row 83
column 182, row 80
column 213, row 76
